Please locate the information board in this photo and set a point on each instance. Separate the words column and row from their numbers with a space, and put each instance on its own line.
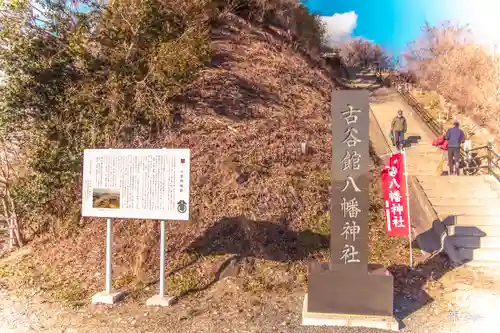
column 136, row 183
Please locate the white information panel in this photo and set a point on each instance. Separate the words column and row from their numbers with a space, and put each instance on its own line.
column 136, row 183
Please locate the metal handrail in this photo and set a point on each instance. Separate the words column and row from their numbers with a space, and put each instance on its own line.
column 478, row 148
column 437, row 129
column 492, row 164
column 495, row 153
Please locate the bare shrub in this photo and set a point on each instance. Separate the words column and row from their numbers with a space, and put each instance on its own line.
column 109, row 77
column 360, row 52
column 446, row 59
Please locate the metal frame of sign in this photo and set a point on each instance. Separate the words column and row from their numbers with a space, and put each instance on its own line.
column 108, row 296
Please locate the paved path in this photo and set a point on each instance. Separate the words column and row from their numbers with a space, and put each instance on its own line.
column 385, row 102
column 423, row 158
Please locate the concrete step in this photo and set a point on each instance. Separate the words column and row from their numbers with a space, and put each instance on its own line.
column 430, row 171
column 475, row 242
column 422, row 142
column 491, row 179
column 413, row 153
column 423, row 148
column 429, row 166
column 477, row 231
column 419, row 155
column 472, row 220
column 481, row 264
column 462, row 193
column 468, row 210
column 465, row 201
column 421, row 172
column 483, row 254
column 418, row 159
column 453, row 187
column 415, row 162
column 453, row 179
column 424, row 172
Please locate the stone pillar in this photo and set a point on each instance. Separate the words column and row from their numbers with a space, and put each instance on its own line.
column 347, row 285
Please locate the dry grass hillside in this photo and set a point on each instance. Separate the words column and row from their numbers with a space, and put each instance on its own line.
column 256, row 200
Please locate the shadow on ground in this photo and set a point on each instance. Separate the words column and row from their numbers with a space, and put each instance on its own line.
column 412, row 139
column 246, row 239
column 258, row 239
column 409, row 284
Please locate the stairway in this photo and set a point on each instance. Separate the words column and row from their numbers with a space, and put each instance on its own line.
column 424, row 159
column 469, row 207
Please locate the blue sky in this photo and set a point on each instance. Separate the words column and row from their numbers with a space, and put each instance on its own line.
column 394, row 23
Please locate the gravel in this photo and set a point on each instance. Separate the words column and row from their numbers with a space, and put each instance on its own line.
column 464, row 300
column 214, row 312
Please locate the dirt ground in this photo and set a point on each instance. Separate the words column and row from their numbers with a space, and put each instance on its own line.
column 434, row 297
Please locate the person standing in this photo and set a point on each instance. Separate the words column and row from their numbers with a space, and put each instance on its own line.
column 455, row 137
column 398, row 130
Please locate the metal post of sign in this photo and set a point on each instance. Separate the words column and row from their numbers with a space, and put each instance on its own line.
column 408, row 207
column 109, row 244
column 162, row 259
column 108, row 296
column 161, row 299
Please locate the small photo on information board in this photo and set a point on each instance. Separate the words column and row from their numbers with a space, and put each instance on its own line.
column 106, row 198
column 136, row 183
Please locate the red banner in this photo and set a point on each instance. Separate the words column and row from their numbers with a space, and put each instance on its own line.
column 395, row 196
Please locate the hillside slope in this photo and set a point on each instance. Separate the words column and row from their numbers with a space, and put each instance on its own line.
column 254, row 194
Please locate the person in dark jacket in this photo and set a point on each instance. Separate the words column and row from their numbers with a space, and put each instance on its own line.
column 398, row 130
column 455, row 137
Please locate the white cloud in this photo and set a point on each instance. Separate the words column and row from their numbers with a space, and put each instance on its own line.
column 340, row 26
column 480, row 15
